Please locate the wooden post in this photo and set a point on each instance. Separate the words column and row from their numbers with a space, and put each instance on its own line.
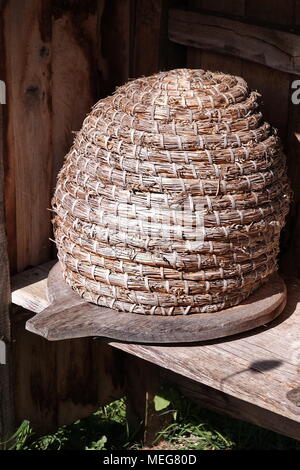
column 142, row 383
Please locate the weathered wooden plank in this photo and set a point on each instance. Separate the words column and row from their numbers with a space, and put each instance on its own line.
column 273, row 85
column 142, row 383
column 34, row 376
column 88, row 376
column 149, row 45
column 6, row 390
column 290, row 258
column 57, row 383
column 70, row 317
column 279, row 50
column 28, row 149
column 279, row 12
column 115, row 27
column 74, row 73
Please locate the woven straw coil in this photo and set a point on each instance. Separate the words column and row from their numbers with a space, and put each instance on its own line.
column 172, row 198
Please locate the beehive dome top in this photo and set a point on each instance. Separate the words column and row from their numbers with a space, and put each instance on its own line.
column 184, row 82
column 170, row 94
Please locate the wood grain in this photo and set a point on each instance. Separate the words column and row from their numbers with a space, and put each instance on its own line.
column 28, row 160
column 56, row 383
column 148, row 46
column 271, row 11
column 34, row 376
column 51, row 74
column 71, row 317
column 290, row 258
column 255, row 43
column 216, row 400
column 6, row 390
column 74, row 73
column 115, row 26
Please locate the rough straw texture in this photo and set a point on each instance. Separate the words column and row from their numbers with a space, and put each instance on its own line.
column 172, row 198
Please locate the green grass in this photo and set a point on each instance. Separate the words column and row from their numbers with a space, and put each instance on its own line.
column 191, row 428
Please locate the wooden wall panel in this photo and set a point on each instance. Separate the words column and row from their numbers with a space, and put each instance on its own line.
column 89, row 374
column 74, row 73
column 115, row 30
column 6, row 392
column 149, row 37
column 271, row 11
column 56, row 383
column 35, row 374
column 51, row 75
column 290, row 259
column 28, row 150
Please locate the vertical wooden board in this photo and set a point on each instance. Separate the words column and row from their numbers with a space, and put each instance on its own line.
column 290, row 256
column 34, row 372
column 148, row 42
column 142, row 383
column 115, row 28
column 290, row 252
column 233, row 7
column 87, row 376
column 6, row 389
column 175, row 55
column 74, row 72
column 28, row 151
column 56, row 383
column 4, row 267
column 271, row 11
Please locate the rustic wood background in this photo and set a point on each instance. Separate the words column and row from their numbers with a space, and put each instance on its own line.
column 57, row 59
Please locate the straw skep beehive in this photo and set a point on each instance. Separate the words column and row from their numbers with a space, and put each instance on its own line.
column 172, row 198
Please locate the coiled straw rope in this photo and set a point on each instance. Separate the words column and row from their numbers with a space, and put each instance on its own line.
column 172, row 197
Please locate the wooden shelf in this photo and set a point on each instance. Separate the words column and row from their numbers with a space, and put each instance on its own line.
column 259, row 369
column 69, row 316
